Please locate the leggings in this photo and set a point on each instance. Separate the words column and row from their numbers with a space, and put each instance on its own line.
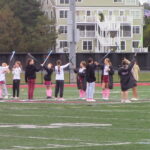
column 16, row 87
column 59, row 89
column 31, row 86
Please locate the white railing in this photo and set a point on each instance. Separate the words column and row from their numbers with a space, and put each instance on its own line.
column 85, row 19
column 140, row 50
column 87, row 34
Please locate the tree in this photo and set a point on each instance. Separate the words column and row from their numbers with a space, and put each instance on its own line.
column 36, row 35
column 10, row 30
column 147, row 28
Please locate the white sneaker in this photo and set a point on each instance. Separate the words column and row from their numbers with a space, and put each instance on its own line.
column 127, row 101
column 5, row 97
column 61, row 99
column 122, row 101
column 105, row 98
column 91, row 100
column 134, row 99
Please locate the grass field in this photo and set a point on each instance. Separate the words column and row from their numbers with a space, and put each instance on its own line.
column 76, row 125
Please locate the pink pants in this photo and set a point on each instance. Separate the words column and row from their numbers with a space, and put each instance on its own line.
column 31, row 87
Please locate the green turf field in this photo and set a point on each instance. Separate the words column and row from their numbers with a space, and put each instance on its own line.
column 107, row 126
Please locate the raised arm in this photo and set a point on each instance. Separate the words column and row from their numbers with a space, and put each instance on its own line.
column 65, row 66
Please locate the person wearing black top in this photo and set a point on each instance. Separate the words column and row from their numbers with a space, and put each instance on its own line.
column 47, row 78
column 30, row 77
column 127, row 80
column 90, row 77
column 81, row 79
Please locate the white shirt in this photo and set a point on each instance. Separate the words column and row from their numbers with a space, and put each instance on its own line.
column 81, row 70
column 2, row 73
column 60, row 74
column 106, row 72
column 16, row 73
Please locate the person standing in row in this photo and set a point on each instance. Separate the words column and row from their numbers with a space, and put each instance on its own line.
column 30, row 77
column 59, row 70
column 81, row 80
column 3, row 70
column 107, row 78
column 16, row 71
column 47, row 79
column 127, row 80
column 91, row 78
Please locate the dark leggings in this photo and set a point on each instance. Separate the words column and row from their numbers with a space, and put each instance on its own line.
column 59, row 89
column 16, row 87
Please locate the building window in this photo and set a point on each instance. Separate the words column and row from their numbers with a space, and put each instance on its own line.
column 130, row 2
column 64, row 1
column 136, row 14
column 136, row 30
column 87, row 45
column 63, row 13
column 123, row 45
column 63, row 29
column 88, row 13
column 118, row 1
column 110, row 13
column 78, row 0
column 135, row 44
column 63, row 44
column 125, row 30
column 121, row 13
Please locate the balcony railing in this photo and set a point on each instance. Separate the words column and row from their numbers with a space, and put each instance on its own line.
column 85, row 19
column 140, row 50
column 87, row 33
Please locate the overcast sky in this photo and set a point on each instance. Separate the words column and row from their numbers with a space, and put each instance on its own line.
column 145, row 1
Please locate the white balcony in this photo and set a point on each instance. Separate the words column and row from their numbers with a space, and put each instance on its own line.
column 86, row 34
column 85, row 19
column 140, row 50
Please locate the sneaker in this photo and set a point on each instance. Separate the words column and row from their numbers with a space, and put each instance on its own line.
column 105, row 98
column 16, row 97
column 134, row 99
column 122, row 101
column 127, row 101
column 5, row 97
column 49, row 97
column 91, row 100
column 61, row 99
column 83, row 98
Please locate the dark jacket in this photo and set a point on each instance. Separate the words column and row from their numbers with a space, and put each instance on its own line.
column 127, row 80
column 81, row 79
column 90, row 73
column 47, row 76
column 111, row 73
column 30, row 72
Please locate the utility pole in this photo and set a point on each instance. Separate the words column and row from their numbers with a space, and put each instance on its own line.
column 72, row 37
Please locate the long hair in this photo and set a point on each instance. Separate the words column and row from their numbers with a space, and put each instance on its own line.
column 109, row 62
column 83, row 63
column 59, row 63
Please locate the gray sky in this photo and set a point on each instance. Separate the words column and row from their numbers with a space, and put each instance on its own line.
column 144, row 1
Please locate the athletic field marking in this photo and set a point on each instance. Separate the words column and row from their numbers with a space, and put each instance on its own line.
column 54, row 125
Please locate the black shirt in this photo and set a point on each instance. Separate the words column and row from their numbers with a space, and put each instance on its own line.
column 90, row 73
column 48, row 74
column 30, row 72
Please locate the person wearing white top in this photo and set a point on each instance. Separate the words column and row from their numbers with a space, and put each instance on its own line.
column 3, row 70
column 16, row 71
column 59, row 70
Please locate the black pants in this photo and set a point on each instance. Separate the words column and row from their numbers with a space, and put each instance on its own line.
column 59, row 89
column 16, row 87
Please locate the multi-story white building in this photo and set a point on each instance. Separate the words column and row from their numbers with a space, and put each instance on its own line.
column 103, row 24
